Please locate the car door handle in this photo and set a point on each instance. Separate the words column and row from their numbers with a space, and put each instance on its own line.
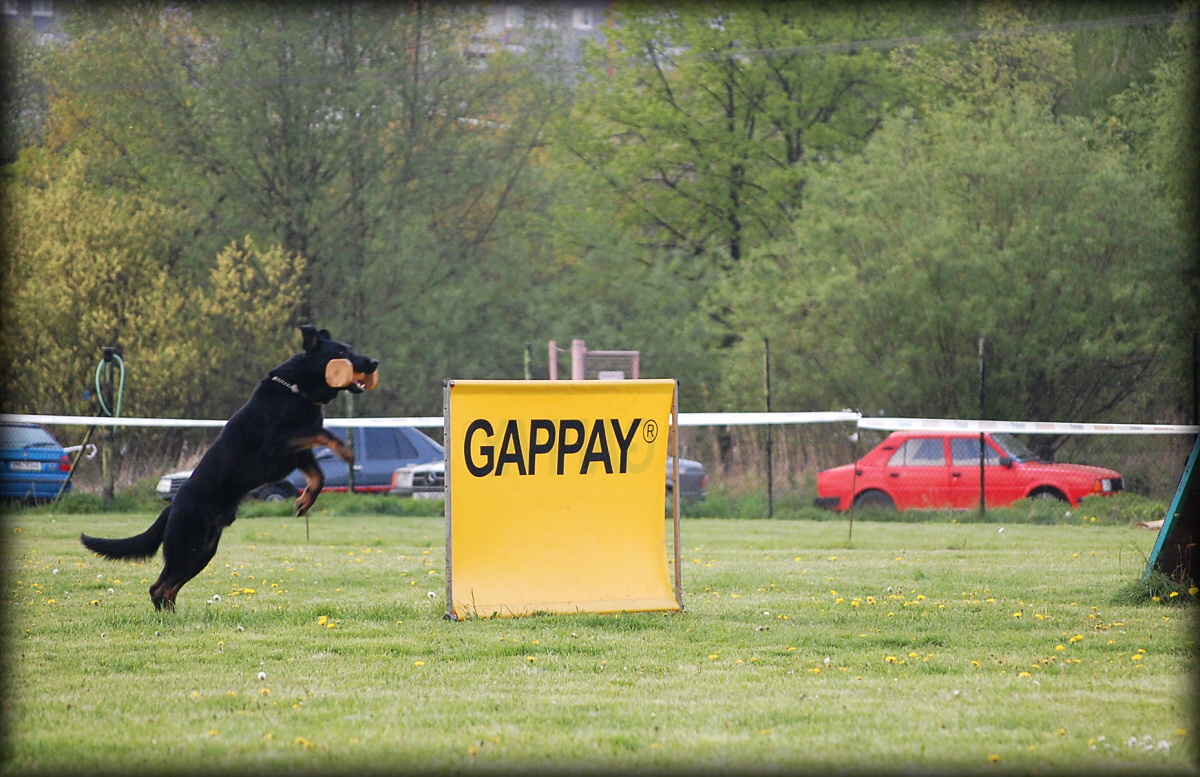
column 956, row 474
column 894, row 474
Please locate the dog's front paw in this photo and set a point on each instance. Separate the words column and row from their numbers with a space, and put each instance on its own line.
column 303, row 503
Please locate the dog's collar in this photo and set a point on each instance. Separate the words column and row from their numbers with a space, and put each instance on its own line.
column 293, row 388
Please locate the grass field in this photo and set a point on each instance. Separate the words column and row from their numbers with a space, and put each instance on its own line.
column 915, row 646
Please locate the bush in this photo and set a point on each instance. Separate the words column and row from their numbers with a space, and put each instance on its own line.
column 1124, row 509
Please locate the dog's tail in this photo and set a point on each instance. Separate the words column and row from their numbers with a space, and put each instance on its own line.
column 140, row 546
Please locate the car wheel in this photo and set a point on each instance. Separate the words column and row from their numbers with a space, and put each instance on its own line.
column 1048, row 493
column 876, row 500
column 275, row 492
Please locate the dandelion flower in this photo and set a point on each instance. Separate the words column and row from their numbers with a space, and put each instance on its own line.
column 993, row 758
column 262, row 677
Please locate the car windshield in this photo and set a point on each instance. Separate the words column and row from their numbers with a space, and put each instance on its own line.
column 1014, row 448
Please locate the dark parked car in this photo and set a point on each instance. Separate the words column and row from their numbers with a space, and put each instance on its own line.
column 428, row 481
column 941, row 471
column 33, row 466
column 378, row 452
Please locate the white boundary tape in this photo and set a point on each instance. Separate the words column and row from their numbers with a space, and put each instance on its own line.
column 685, row 419
column 1022, row 427
column 753, row 419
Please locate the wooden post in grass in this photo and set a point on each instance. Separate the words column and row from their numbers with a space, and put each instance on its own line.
column 767, row 389
column 982, row 445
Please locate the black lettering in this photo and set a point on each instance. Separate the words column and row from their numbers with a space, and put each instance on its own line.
column 597, row 452
column 563, row 446
column 535, row 447
column 623, row 442
column 510, row 450
column 479, row 425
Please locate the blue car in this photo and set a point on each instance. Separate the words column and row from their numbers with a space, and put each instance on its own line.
column 33, row 466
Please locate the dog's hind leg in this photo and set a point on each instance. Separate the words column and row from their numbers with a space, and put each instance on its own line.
column 184, row 557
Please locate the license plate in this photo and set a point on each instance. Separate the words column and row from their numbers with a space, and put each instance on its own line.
column 25, row 466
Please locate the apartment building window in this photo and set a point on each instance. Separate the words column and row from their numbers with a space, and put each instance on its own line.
column 581, row 18
column 9, row 8
column 42, row 7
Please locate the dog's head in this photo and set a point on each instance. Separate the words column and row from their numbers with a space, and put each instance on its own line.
column 325, row 366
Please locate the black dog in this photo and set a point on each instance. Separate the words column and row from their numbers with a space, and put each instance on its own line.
column 271, row 435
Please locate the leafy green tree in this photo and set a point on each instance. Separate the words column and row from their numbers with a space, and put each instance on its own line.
column 360, row 136
column 1158, row 118
column 83, row 270
column 1000, row 66
column 1028, row 231
column 704, row 118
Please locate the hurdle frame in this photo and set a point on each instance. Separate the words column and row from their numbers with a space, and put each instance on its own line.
column 676, row 538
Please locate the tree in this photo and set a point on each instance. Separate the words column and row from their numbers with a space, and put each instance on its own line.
column 705, row 118
column 990, row 72
column 360, row 136
column 83, row 271
column 1032, row 232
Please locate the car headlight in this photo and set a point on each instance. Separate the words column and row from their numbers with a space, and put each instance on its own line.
column 164, row 486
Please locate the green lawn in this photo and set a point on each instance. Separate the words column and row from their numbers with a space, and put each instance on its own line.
column 916, row 646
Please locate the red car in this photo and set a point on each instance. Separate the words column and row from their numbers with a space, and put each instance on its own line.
column 941, row 471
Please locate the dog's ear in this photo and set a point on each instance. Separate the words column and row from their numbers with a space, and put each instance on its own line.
column 312, row 337
column 324, row 333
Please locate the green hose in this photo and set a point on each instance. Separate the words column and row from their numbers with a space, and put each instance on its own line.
column 116, row 411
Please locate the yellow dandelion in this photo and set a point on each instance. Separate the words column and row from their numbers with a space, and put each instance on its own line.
column 1194, row 590
column 1060, row 647
column 975, row 663
column 418, row 663
column 994, row 758
column 1024, row 674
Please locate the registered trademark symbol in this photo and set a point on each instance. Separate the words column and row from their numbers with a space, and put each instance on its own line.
column 650, row 431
